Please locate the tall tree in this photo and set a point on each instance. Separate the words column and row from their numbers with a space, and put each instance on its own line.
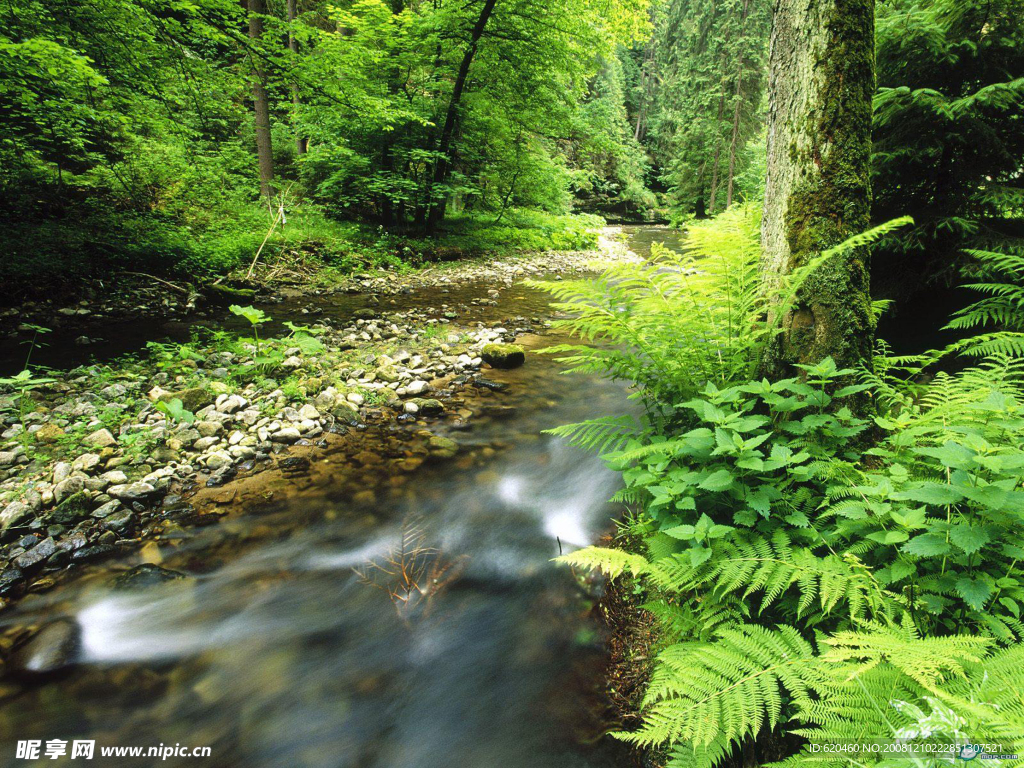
column 444, row 143
column 261, row 104
column 821, row 81
column 301, row 141
column 737, row 111
column 711, row 60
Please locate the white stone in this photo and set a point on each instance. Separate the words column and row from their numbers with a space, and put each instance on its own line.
column 309, row 411
column 417, row 387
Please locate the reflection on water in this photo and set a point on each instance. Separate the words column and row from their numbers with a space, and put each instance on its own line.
column 640, row 237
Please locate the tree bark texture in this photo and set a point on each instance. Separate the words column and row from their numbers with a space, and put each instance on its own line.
column 733, row 144
column 301, row 142
column 821, row 81
column 264, row 148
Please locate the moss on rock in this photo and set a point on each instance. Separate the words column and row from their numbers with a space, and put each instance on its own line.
column 504, row 356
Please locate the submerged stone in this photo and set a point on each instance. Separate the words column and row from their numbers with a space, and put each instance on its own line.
column 146, row 575
column 52, row 648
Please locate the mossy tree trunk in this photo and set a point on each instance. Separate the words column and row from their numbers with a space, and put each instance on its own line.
column 821, row 81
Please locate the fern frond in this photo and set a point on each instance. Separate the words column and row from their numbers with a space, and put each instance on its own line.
column 600, row 435
column 611, row 562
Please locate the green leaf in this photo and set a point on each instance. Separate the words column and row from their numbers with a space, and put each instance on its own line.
column 717, row 481
column 970, row 538
column 175, row 411
column 975, row 592
column 682, row 532
column 699, row 555
column 927, row 545
column 889, row 537
column 930, row 492
column 253, row 315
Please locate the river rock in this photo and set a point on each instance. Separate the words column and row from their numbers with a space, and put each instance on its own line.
column 86, row 461
column 294, row 464
column 36, row 556
column 73, row 508
column 68, row 488
column 504, row 356
column 146, row 575
column 426, row 406
column 209, row 428
column 52, row 648
column 115, row 477
column 14, row 513
column 286, row 435
column 48, row 433
column 442, row 447
column 9, row 458
column 107, row 509
column 119, row 521
column 309, row 411
column 101, row 438
column 218, row 459
column 61, row 471
column 10, row 579
column 192, row 399
column 204, row 443
column 417, row 387
column 132, row 491
column 230, row 403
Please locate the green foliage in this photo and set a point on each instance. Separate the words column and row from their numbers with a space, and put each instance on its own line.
column 255, row 317
column 710, row 64
column 947, row 141
column 1000, row 315
column 129, row 139
column 175, row 411
column 831, row 554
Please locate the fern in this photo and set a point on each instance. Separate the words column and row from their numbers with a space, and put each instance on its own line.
column 723, row 691
column 1000, row 314
column 598, row 435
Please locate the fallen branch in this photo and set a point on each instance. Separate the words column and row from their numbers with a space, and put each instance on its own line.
column 177, row 288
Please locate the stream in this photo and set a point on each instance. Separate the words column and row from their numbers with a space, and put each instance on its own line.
column 418, row 623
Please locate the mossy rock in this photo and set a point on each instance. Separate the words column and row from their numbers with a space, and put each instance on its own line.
column 503, row 356
column 48, row 433
column 73, row 508
column 442, row 447
column 225, row 295
column 387, row 373
column 192, row 399
column 428, row 406
column 312, row 385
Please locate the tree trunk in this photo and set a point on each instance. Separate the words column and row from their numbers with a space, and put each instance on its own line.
column 735, row 139
column 821, row 80
column 301, row 142
column 646, row 79
column 736, row 112
column 718, row 154
column 264, row 148
column 444, row 145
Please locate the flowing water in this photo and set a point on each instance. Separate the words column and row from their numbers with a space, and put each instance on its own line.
column 359, row 616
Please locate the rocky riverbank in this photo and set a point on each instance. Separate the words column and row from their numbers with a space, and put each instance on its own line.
column 98, row 460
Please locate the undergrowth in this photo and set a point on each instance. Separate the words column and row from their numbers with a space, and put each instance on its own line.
column 832, row 558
